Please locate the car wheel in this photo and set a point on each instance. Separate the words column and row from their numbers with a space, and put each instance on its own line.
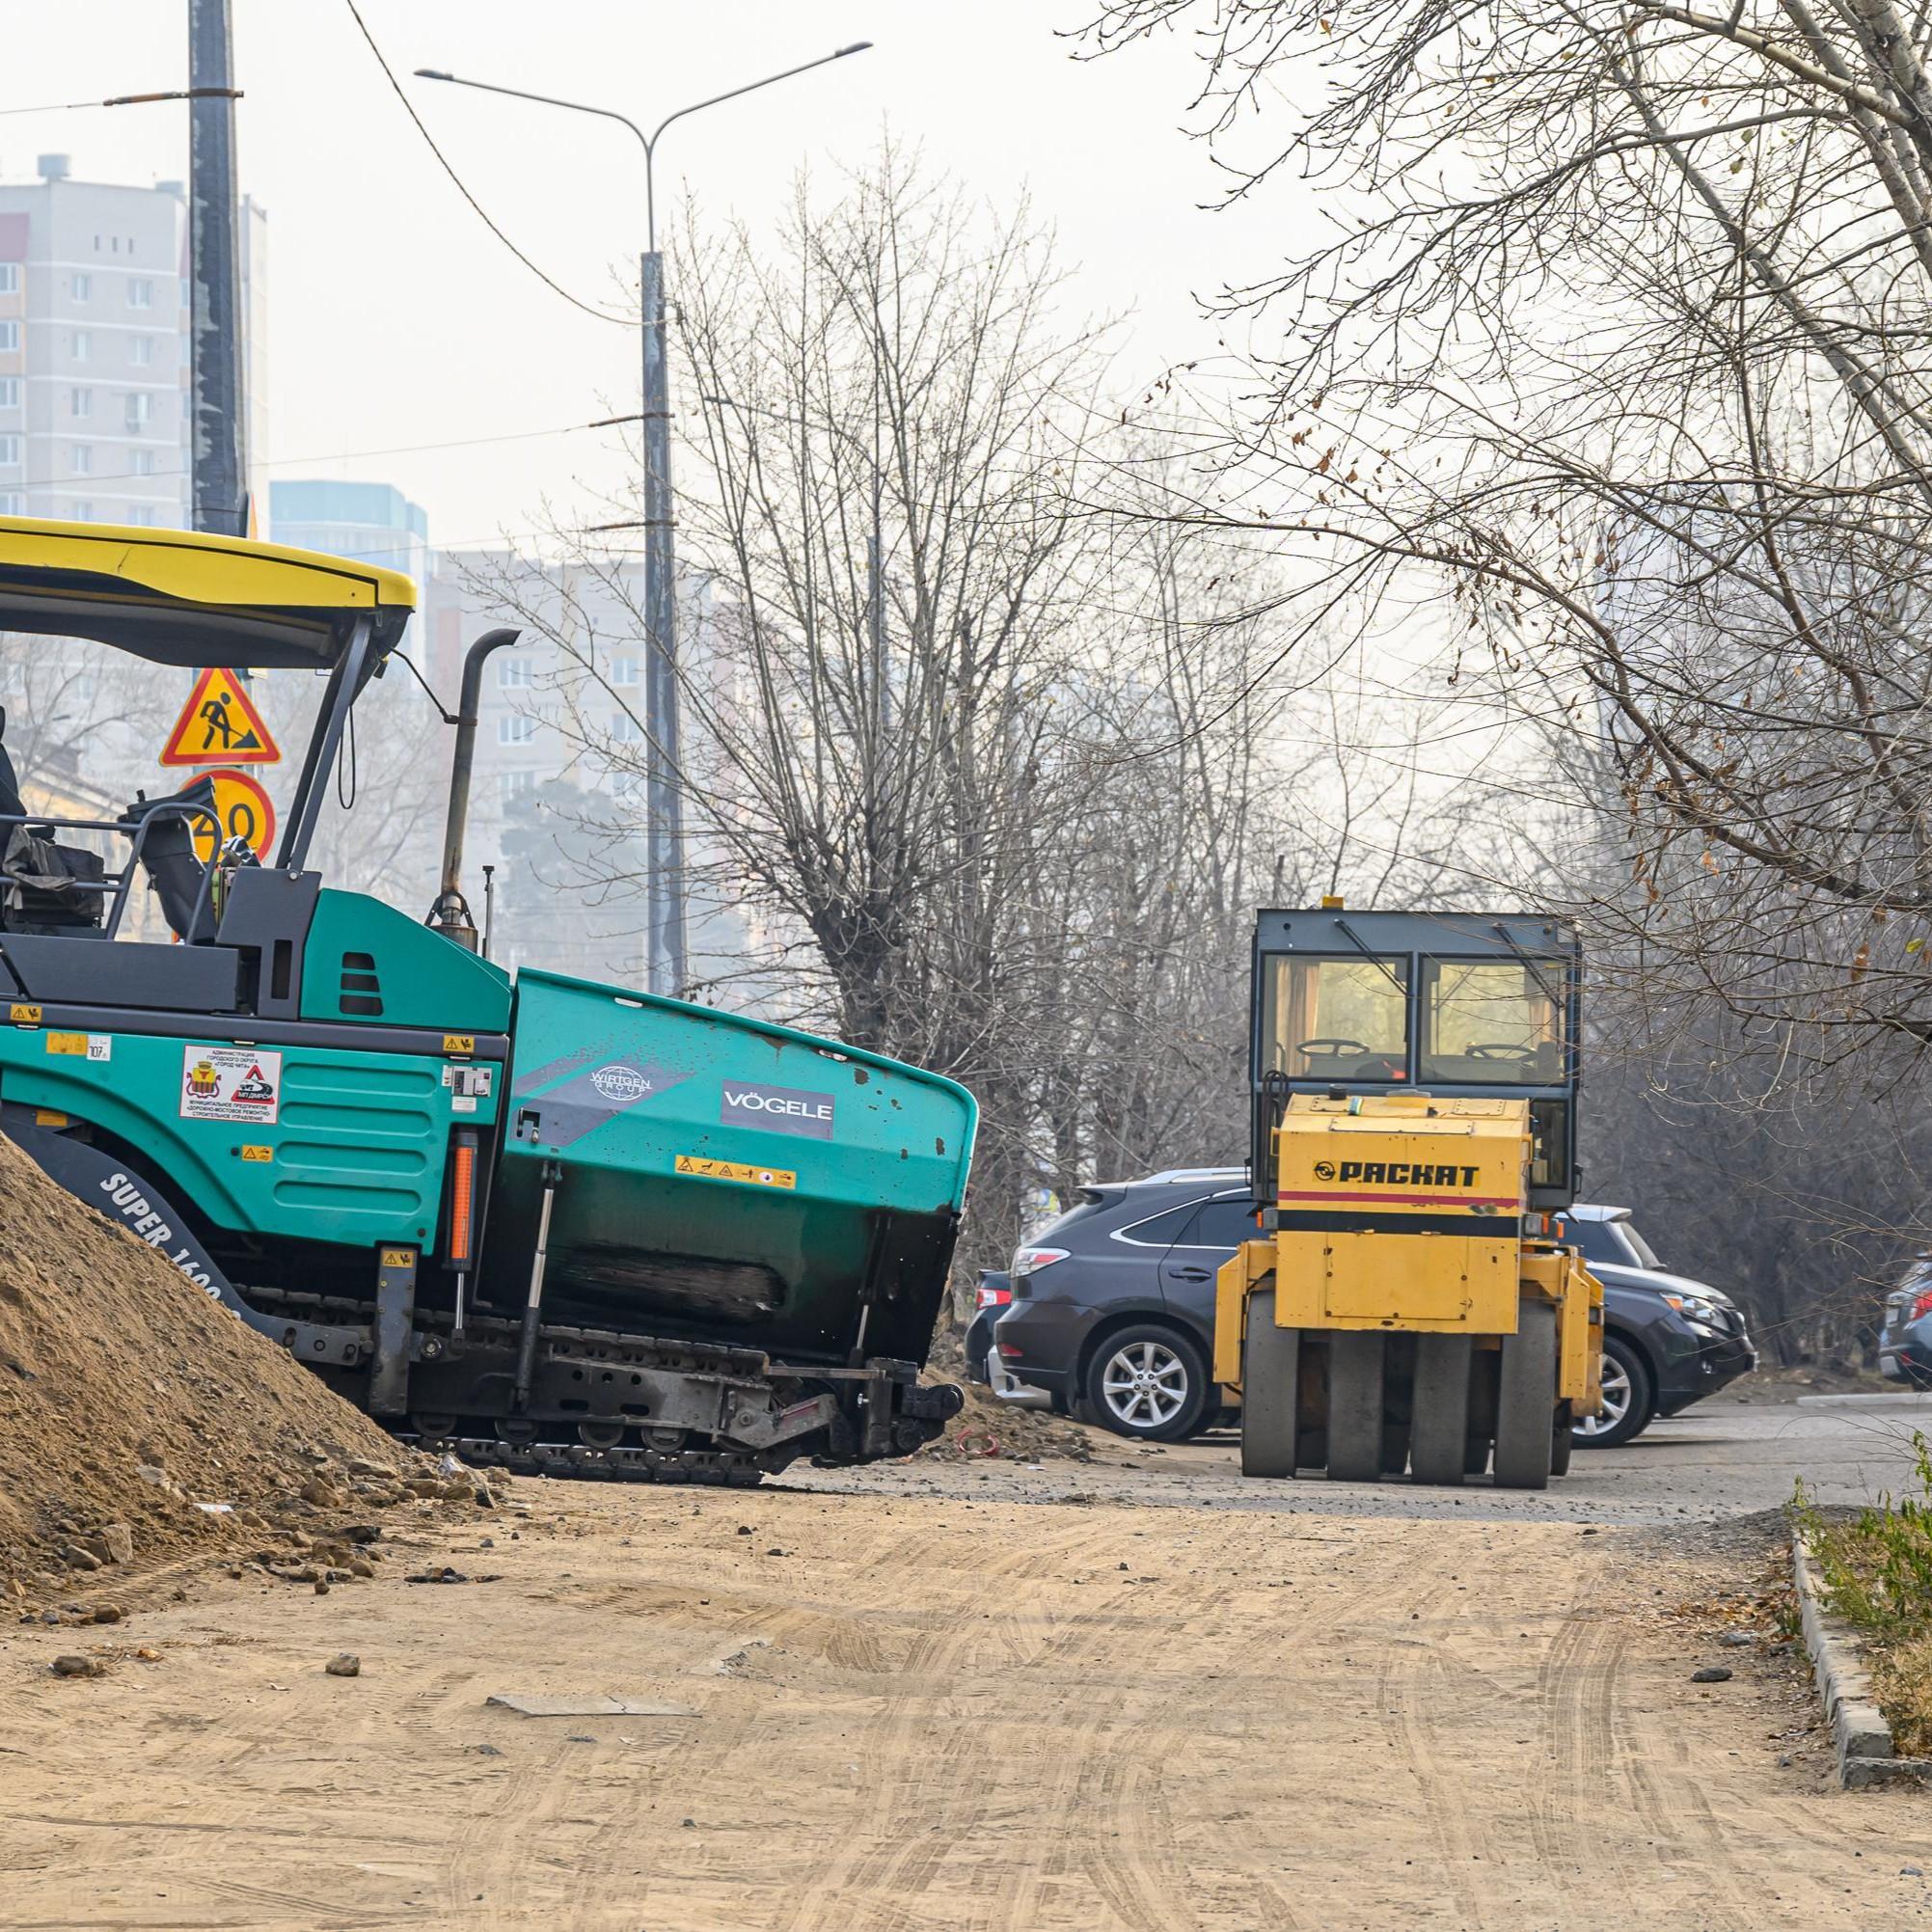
column 1628, row 1400
column 1148, row 1382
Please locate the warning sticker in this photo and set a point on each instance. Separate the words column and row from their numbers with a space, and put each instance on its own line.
column 220, row 725
column 735, row 1170
column 83, row 1045
column 238, row 1083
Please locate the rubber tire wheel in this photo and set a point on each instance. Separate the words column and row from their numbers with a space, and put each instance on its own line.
column 1526, row 1398
column 1356, row 1406
column 1439, row 1430
column 1187, row 1419
column 1562, row 1441
column 1271, row 1391
column 1643, row 1409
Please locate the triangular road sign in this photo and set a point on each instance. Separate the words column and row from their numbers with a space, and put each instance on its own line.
column 220, row 725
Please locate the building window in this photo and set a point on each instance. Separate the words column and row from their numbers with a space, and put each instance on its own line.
column 625, row 728
column 13, row 504
column 514, row 785
column 623, row 670
column 10, row 453
column 10, row 337
column 80, row 402
column 512, row 673
column 141, row 350
column 9, row 392
column 84, row 512
column 10, row 278
column 517, row 730
column 80, row 345
column 141, row 462
column 140, row 292
column 83, row 285
column 144, row 515
column 82, row 458
column 140, row 407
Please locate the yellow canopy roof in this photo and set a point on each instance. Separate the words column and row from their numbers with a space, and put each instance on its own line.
column 179, row 597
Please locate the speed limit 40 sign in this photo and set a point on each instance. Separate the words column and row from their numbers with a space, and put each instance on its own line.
column 245, row 812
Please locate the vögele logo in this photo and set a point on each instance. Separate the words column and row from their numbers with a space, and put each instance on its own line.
column 1325, row 1170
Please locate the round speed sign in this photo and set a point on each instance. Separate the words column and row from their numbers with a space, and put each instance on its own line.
column 245, row 812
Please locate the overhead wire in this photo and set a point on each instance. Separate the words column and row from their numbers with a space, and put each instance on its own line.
column 462, row 188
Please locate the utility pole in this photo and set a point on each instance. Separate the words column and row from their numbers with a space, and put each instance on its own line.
column 663, row 831
column 220, row 480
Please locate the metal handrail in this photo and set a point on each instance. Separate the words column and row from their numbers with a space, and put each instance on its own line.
column 120, row 883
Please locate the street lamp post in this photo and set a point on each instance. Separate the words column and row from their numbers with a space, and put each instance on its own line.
column 663, row 903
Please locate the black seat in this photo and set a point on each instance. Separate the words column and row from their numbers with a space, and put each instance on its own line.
column 11, row 805
column 172, row 863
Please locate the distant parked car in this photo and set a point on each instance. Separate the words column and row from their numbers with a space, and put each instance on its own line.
column 1667, row 1340
column 1112, row 1314
column 990, row 1300
column 1905, row 1346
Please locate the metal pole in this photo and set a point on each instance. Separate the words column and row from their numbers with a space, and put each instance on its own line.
column 219, row 476
column 664, row 847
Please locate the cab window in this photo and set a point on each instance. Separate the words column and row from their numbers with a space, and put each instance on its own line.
column 1492, row 1022
column 1342, row 1020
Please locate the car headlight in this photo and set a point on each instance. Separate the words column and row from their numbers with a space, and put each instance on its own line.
column 1697, row 1307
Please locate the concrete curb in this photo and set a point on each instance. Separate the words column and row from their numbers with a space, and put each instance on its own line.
column 1883, row 1401
column 1861, row 1740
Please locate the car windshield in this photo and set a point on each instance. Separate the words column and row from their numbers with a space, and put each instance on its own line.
column 1646, row 1255
column 1492, row 1022
column 1336, row 1019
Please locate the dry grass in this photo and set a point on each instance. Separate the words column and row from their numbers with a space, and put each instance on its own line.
column 1877, row 1570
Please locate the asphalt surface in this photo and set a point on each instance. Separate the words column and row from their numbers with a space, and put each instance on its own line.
column 1718, row 1461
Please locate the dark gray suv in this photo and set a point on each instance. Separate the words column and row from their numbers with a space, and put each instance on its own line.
column 1113, row 1303
column 1112, row 1316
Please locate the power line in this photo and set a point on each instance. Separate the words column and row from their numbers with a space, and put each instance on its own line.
column 409, row 106
column 75, row 485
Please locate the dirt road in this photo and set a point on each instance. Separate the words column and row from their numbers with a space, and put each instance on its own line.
column 945, row 1712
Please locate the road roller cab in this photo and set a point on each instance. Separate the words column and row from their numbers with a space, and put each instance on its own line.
column 1414, row 1086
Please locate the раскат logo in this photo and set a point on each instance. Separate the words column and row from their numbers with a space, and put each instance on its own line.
column 1401, row 1172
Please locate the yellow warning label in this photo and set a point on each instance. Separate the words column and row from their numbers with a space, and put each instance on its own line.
column 24, row 1015
column 257, row 1154
column 220, row 725
column 399, row 1257
column 68, row 1043
column 47, row 1117
column 733, row 1170
column 459, row 1042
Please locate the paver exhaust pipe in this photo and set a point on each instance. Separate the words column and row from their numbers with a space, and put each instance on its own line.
column 451, row 915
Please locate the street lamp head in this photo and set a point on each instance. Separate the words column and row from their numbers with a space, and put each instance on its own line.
column 857, row 48
column 432, row 74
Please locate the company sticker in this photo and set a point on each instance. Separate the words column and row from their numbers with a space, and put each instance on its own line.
column 705, row 1169
column 781, row 1109
column 230, row 1083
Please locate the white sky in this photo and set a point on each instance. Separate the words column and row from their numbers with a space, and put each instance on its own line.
column 395, row 319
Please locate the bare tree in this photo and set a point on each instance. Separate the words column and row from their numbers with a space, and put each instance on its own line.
column 1626, row 330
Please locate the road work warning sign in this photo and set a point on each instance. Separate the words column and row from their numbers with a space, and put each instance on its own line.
column 232, row 1084
column 220, row 725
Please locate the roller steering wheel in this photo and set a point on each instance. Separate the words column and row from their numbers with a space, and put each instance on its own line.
column 1501, row 1050
column 1332, row 1045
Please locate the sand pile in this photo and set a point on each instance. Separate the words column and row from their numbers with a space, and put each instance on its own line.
column 128, row 1398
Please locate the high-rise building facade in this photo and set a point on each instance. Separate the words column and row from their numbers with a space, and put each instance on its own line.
column 95, row 367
